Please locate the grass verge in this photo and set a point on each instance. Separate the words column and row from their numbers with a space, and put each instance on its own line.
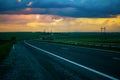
column 4, row 50
column 82, row 45
column 95, row 40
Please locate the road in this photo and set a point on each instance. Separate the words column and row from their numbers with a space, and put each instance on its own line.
column 47, row 61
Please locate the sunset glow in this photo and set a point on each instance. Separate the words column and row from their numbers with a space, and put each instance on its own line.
column 11, row 23
column 63, row 16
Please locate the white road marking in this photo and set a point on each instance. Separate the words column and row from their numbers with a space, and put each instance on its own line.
column 13, row 47
column 72, row 62
column 116, row 58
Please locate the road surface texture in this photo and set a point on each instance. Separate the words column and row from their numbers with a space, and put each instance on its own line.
column 33, row 60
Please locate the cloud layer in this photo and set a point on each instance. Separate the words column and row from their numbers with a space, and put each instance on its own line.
column 14, row 23
column 70, row 8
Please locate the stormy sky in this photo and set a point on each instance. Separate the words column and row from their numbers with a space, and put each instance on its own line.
column 59, row 15
column 69, row 8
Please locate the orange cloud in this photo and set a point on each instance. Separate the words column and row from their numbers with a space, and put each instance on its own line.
column 38, row 22
column 28, row 9
column 19, row 0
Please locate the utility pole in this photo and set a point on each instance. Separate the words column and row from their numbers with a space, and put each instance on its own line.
column 51, row 28
column 51, row 35
column 44, row 31
column 103, row 33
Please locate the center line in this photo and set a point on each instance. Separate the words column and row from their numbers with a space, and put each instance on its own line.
column 13, row 47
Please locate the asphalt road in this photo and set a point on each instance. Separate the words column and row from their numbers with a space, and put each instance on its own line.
column 48, row 61
column 103, row 61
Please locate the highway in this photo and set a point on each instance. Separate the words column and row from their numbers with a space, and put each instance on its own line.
column 65, row 62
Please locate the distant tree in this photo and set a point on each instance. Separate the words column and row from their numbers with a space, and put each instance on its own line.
column 13, row 39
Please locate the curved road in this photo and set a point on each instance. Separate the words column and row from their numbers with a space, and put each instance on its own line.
column 47, row 61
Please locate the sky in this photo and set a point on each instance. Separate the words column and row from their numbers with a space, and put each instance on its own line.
column 59, row 15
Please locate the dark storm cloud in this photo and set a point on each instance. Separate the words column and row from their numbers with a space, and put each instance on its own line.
column 71, row 8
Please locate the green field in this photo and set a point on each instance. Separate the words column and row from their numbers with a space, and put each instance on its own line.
column 89, row 37
column 89, row 40
column 67, row 36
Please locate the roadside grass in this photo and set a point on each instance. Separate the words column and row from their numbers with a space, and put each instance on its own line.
column 4, row 50
column 88, row 40
column 69, row 42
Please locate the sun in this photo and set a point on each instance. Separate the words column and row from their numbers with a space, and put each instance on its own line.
column 37, row 17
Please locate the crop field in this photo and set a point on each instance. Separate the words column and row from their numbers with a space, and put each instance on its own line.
column 90, row 37
column 67, row 36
